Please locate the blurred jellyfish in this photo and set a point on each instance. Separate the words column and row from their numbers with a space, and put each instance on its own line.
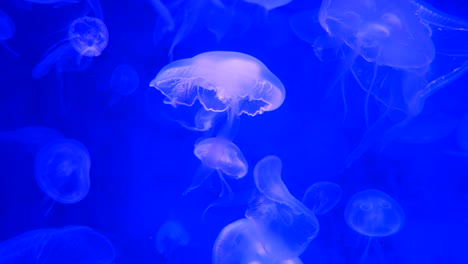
column 321, row 197
column 171, row 236
column 30, row 138
column 62, row 170
column 220, row 155
column 70, row 244
column 239, row 243
column 222, row 82
column 95, row 5
column 269, row 4
column 373, row 213
column 123, row 82
column 399, row 52
column 165, row 17
column 7, row 30
column 284, row 224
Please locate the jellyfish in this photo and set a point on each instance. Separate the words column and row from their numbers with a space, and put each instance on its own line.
column 269, row 4
column 7, row 30
column 285, row 225
column 239, row 243
column 373, row 213
column 31, row 138
column 222, row 82
column 220, row 155
column 69, row 244
column 321, row 197
column 62, row 171
column 171, row 235
column 399, row 52
column 123, row 82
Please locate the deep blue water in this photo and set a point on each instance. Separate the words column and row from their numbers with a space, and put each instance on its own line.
column 142, row 159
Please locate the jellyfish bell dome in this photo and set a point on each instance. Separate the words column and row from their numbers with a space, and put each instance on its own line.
column 221, row 81
column 62, row 170
column 88, row 36
column 374, row 214
column 221, row 154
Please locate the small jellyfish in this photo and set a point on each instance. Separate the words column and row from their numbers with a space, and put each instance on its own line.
column 239, row 242
column 220, row 155
column 399, row 52
column 69, row 244
column 269, row 4
column 373, row 213
column 123, row 82
column 321, row 197
column 62, row 170
column 7, row 30
column 285, row 225
column 222, row 82
column 171, row 235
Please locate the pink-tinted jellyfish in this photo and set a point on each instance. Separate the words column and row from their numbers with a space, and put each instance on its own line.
column 62, row 170
column 399, row 52
column 373, row 213
column 69, row 244
column 240, row 243
column 285, row 225
column 222, row 82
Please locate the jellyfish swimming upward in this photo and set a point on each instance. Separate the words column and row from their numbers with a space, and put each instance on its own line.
column 399, row 52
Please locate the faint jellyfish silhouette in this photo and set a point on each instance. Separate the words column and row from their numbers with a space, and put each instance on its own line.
column 399, row 52
column 171, row 236
column 70, row 244
column 222, row 82
column 62, row 171
column 165, row 23
column 373, row 213
column 87, row 38
column 7, row 30
column 321, row 197
column 220, row 155
column 123, row 82
column 269, row 4
column 239, row 243
column 95, row 5
column 285, row 225
column 30, row 138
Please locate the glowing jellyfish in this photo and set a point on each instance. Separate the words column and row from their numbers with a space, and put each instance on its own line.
column 62, row 170
column 285, row 225
column 269, row 4
column 373, row 213
column 171, row 235
column 239, row 242
column 70, row 244
column 123, row 82
column 399, row 52
column 7, row 30
column 221, row 82
column 321, row 197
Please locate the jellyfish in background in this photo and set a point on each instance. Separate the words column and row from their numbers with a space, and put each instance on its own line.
column 95, row 5
column 7, row 30
column 171, row 236
column 269, row 4
column 321, row 197
column 62, row 170
column 285, row 225
column 123, row 82
column 69, row 244
column 373, row 213
column 30, row 138
column 399, row 52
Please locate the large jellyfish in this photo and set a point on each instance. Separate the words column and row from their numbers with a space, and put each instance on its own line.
column 171, row 235
column 222, row 82
column 239, row 243
column 399, row 52
column 7, row 30
column 62, row 170
column 69, row 244
column 123, row 82
column 285, row 225
column 373, row 213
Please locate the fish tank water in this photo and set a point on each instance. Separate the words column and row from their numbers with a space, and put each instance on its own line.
column 233, row 131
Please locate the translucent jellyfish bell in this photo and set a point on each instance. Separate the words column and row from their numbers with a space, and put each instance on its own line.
column 221, row 81
column 62, row 170
column 171, row 235
column 7, row 30
column 269, row 4
column 321, row 197
column 123, row 82
column 374, row 214
column 399, row 52
column 285, row 225
column 239, row 242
